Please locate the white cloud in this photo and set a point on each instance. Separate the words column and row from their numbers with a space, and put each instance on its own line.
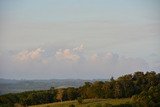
column 72, row 55
column 107, row 57
column 94, row 58
column 29, row 55
column 71, row 63
column 113, row 63
column 79, row 49
column 66, row 54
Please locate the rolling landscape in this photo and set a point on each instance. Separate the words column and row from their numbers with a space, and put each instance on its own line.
column 138, row 89
column 15, row 86
column 79, row 53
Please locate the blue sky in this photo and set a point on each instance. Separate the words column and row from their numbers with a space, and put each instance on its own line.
column 78, row 34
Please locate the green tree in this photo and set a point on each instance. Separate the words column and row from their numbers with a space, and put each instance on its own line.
column 80, row 100
column 118, row 90
column 108, row 90
column 59, row 95
column 71, row 93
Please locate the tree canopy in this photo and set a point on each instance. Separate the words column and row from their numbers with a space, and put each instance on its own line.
column 144, row 88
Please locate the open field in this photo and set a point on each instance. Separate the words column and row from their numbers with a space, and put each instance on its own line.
column 86, row 103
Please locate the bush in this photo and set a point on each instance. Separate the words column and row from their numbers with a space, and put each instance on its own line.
column 98, row 105
column 107, row 105
column 80, row 100
column 18, row 105
column 6, row 105
column 126, row 105
column 157, row 105
column 72, row 105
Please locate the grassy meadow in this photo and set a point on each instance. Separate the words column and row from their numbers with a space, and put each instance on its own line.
column 87, row 103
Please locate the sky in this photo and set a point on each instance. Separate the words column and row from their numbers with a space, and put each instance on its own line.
column 78, row 39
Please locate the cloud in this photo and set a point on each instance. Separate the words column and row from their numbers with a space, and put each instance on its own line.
column 72, row 54
column 79, row 49
column 112, row 63
column 67, row 54
column 107, row 57
column 70, row 63
column 94, row 58
column 29, row 55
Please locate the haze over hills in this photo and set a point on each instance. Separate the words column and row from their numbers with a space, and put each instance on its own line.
column 66, row 43
column 83, row 39
column 14, row 86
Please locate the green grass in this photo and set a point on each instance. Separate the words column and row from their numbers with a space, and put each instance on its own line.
column 86, row 103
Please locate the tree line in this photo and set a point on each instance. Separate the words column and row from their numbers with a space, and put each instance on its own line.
column 142, row 88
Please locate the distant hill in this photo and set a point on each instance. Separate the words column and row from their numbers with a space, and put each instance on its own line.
column 15, row 86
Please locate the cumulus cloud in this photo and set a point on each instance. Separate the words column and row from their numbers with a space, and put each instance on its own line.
column 94, row 58
column 70, row 63
column 29, row 55
column 66, row 54
column 104, row 57
column 79, row 49
column 112, row 63
column 72, row 54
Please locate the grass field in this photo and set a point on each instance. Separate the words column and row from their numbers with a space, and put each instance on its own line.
column 86, row 103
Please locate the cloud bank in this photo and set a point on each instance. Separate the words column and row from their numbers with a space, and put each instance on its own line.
column 29, row 55
column 69, row 63
column 66, row 54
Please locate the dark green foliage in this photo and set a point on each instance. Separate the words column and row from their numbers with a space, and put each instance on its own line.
column 144, row 88
column 123, row 105
column 71, row 93
column 149, row 98
column 157, row 105
column 98, row 105
column 118, row 90
column 72, row 105
column 7, row 105
column 28, row 98
column 124, row 87
column 80, row 100
column 107, row 105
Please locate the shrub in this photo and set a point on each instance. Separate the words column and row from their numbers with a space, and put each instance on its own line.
column 72, row 105
column 18, row 105
column 80, row 100
column 157, row 105
column 98, row 105
column 126, row 105
column 107, row 105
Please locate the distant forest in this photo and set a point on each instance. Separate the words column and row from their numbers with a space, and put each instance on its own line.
column 17, row 86
column 142, row 88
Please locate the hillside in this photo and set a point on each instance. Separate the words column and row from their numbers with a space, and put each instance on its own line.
column 142, row 88
column 15, row 86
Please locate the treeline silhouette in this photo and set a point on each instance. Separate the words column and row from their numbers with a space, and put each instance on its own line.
column 142, row 88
